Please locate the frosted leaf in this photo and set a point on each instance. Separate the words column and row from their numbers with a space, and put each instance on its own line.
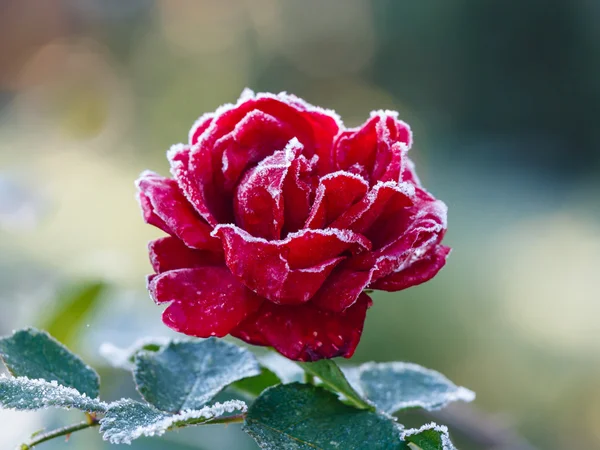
column 398, row 385
column 123, row 358
column 35, row 354
column 25, row 394
column 186, row 375
column 127, row 420
column 429, row 436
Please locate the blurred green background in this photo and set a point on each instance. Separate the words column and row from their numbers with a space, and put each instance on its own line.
column 503, row 98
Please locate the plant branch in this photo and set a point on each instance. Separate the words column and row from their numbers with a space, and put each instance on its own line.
column 238, row 418
column 65, row 431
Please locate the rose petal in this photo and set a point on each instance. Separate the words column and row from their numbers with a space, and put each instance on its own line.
column 170, row 253
column 388, row 197
column 336, row 193
column 419, row 272
column 377, row 148
column 342, row 288
column 298, row 188
column 306, row 333
column 207, row 301
column 199, row 127
column 174, row 211
column 287, row 271
column 259, row 201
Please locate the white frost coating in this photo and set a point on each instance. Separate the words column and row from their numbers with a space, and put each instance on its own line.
column 120, row 357
column 396, row 399
column 346, row 236
column 338, row 173
column 195, row 125
column 441, row 429
column 22, row 393
column 117, row 430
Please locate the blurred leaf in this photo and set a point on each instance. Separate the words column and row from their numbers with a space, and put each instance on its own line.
column 186, row 375
column 127, row 420
column 73, row 306
column 124, row 358
column 253, row 386
column 397, row 385
column 300, row 416
column 331, row 375
column 428, row 437
column 25, row 394
column 35, row 354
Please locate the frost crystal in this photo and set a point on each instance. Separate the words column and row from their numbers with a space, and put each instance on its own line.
column 25, row 394
column 127, row 420
column 442, row 430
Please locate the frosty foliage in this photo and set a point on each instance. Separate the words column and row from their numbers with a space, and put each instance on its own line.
column 127, row 420
column 287, row 371
column 395, row 386
column 25, row 394
column 431, row 433
column 185, row 375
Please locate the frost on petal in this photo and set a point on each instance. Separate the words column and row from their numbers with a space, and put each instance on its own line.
column 298, row 188
column 198, row 186
column 170, row 253
column 307, row 333
column 259, row 200
column 386, row 197
column 205, row 302
column 286, row 271
column 199, row 127
column 403, row 238
column 376, row 149
column 420, row 271
column 168, row 203
column 336, row 193
column 254, row 138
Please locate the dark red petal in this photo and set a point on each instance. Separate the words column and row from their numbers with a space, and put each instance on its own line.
column 199, row 127
column 336, row 193
column 376, row 149
column 403, row 238
column 173, row 209
column 342, row 288
column 383, row 197
column 306, row 333
column 207, row 301
column 198, row 186
column 287, row 271
column 422, row 270
column 298, row 188
column 170, row 253
column 259, row 201
column 254, row 138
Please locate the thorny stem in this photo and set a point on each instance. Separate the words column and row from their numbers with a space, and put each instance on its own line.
column 65, row 431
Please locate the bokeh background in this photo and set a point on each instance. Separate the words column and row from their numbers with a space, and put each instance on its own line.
column 504, row 101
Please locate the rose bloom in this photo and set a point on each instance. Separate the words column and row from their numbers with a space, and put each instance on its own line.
column 279, row 218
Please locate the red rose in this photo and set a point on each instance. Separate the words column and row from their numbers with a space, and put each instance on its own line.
column 280, row 217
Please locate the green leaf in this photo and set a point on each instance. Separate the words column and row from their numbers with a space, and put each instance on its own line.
column 72, row 308
column 35, row 354
column 253, row 386
column 331, row 376
column 127, row 420
column 428, row 437
column 396, row 385
column 186, row 375
column 26, row 394
column 304, row 417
